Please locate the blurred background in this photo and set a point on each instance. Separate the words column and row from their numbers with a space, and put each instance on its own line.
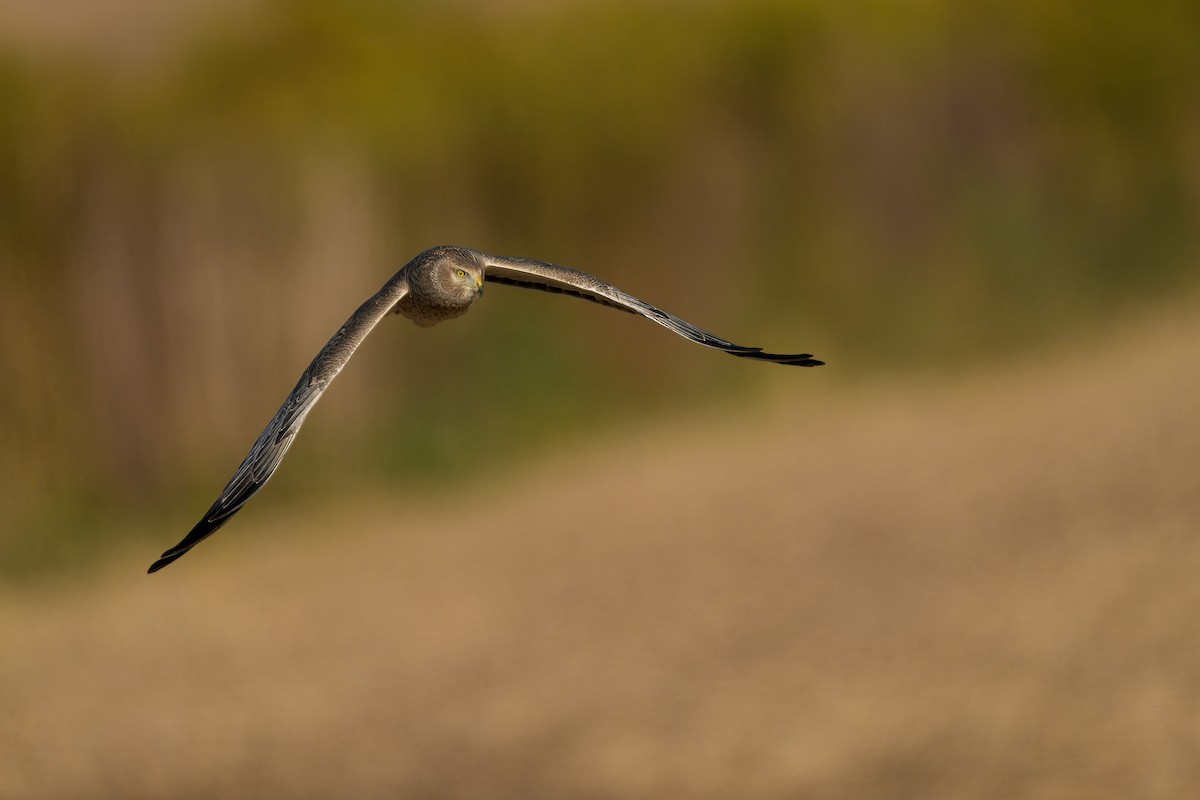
column 552, row 551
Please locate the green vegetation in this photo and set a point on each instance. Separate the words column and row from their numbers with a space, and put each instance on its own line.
column 887, row 184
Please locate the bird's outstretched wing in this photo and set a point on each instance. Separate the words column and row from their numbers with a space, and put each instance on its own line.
column 262, row 461
column 530, row 274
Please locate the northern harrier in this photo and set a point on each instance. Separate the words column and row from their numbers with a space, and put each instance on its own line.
column 439, row 284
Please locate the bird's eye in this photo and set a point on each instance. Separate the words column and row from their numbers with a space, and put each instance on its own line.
column 462, row 273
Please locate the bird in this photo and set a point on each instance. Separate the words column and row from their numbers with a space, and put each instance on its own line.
column 439, row 284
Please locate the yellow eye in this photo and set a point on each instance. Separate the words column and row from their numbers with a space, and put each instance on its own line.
column 462, row 273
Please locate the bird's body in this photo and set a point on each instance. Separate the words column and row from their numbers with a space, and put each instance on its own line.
column 439, row 284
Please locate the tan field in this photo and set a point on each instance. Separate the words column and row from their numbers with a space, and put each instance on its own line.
column 986, row 588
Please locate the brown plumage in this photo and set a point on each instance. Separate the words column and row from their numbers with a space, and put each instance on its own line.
column 439, row 284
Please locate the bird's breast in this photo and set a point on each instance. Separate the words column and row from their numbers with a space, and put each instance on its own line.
column 427, row 313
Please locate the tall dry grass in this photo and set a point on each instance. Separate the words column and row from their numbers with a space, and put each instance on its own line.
column 890, row 185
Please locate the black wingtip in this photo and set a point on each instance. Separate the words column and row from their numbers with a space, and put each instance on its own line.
column 791, row 360
column 801, row 360
column 167, row 558
column 203, row 529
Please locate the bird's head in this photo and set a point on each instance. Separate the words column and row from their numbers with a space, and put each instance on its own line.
column 458, row 273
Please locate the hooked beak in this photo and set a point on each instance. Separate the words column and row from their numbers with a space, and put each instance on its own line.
column 479, row 285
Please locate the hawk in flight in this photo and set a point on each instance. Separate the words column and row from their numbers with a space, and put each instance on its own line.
column 439, row 284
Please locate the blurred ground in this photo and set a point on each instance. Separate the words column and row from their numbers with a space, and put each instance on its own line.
column 980, row 589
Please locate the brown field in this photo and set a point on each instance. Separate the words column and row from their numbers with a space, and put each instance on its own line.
column 985, row 588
